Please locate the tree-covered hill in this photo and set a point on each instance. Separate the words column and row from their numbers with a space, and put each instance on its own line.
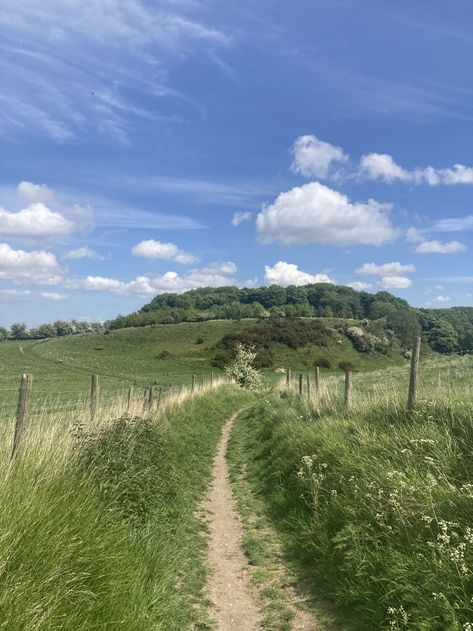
column 445, row 330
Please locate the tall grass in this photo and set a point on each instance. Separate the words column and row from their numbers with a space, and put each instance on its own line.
column 376, row 505
column 98, row 526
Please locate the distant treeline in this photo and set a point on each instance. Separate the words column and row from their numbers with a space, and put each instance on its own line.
column 446, row 330
column 19, row 330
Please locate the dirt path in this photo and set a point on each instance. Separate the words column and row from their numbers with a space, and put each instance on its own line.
column 229, row 586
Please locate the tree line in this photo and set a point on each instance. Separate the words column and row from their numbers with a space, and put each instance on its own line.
column 446, row 330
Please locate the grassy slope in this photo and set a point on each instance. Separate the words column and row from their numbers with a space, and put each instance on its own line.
column 380, row 512
column 114, row 541
column 65, row 364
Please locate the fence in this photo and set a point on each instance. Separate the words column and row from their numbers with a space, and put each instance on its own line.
column 314, row 387
column 41, row 409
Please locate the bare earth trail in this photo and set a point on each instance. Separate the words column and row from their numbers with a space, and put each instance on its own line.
column 229, row 588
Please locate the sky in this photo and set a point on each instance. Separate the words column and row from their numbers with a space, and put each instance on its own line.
column 153, row 146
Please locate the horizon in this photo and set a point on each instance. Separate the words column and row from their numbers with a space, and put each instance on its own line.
column 160, row 147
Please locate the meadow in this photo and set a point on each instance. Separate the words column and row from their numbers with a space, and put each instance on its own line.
column 100, row 527
column 374, row 505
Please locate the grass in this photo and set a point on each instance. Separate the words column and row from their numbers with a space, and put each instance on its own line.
column 277, row 585
column 62, row 367
column 375, row 507
column 99, row 528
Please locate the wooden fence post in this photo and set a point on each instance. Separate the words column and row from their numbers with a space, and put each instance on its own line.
column 145, row 399
column 308, row 386
column 212, row 378
column 150, row 397
column 288, row 376
column 24, row 396
column 128, row 400
column 412, row 396
column 94, row 397
column 158, row 402
column 317, row 379
column 300, row 383
column 193, row 382
column 348, row 388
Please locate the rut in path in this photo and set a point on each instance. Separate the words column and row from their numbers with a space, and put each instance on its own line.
column 229, row 586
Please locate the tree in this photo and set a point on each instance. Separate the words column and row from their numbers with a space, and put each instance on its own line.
column 19, row 331
column 242, row 371
column 3, row 334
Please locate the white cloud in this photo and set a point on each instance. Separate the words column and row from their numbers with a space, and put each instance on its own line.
column 439, row 247
column 314, row 157
column 241, row 216
column 221, row 267
column 37, row 220
column 359, row 285
column 85, row 66
column 314, row 213
column 37, row 267
column 395, row 282
column 453, row 224
column 52, row 295
column 151, row 249
column 387, row 269
column 214, row 275
column 30, row 193
column 85, row 252
column 285, row 274
column 381, row 166
column 443, row 298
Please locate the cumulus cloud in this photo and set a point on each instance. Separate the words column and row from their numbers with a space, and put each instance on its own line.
column 214, row 275
column 241, row 216
column 36, row 267
column 37, row 220
column 443, row 298
column 387, row 269
column 315, row 158
column 314, row 213
column 45, row 215
column 395, row 282
column 85, row 252
column 381, row 166
column 359, row 285
column 439, row 247
column 285, row 274
column 151, row 249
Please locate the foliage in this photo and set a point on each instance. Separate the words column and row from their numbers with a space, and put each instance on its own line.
column 375, row 505
column 19, row 330
column 102, row 532
column 323, row 362
column 365, row 342
column 242, row 371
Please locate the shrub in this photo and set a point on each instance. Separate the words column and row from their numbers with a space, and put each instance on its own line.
column 243, row 371
column 323, row 362
column 164, row 354
column 347, row 366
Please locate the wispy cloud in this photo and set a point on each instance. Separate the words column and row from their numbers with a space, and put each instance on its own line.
column 84, row 66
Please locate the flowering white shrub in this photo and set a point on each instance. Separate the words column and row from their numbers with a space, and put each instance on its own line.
column 242, row 371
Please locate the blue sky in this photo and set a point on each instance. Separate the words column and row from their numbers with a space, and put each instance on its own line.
column 160, row 146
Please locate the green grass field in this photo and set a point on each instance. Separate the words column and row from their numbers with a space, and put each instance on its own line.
column 62, row 367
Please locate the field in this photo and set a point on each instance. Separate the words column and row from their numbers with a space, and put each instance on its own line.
column 62, row 367
column 367, row 510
